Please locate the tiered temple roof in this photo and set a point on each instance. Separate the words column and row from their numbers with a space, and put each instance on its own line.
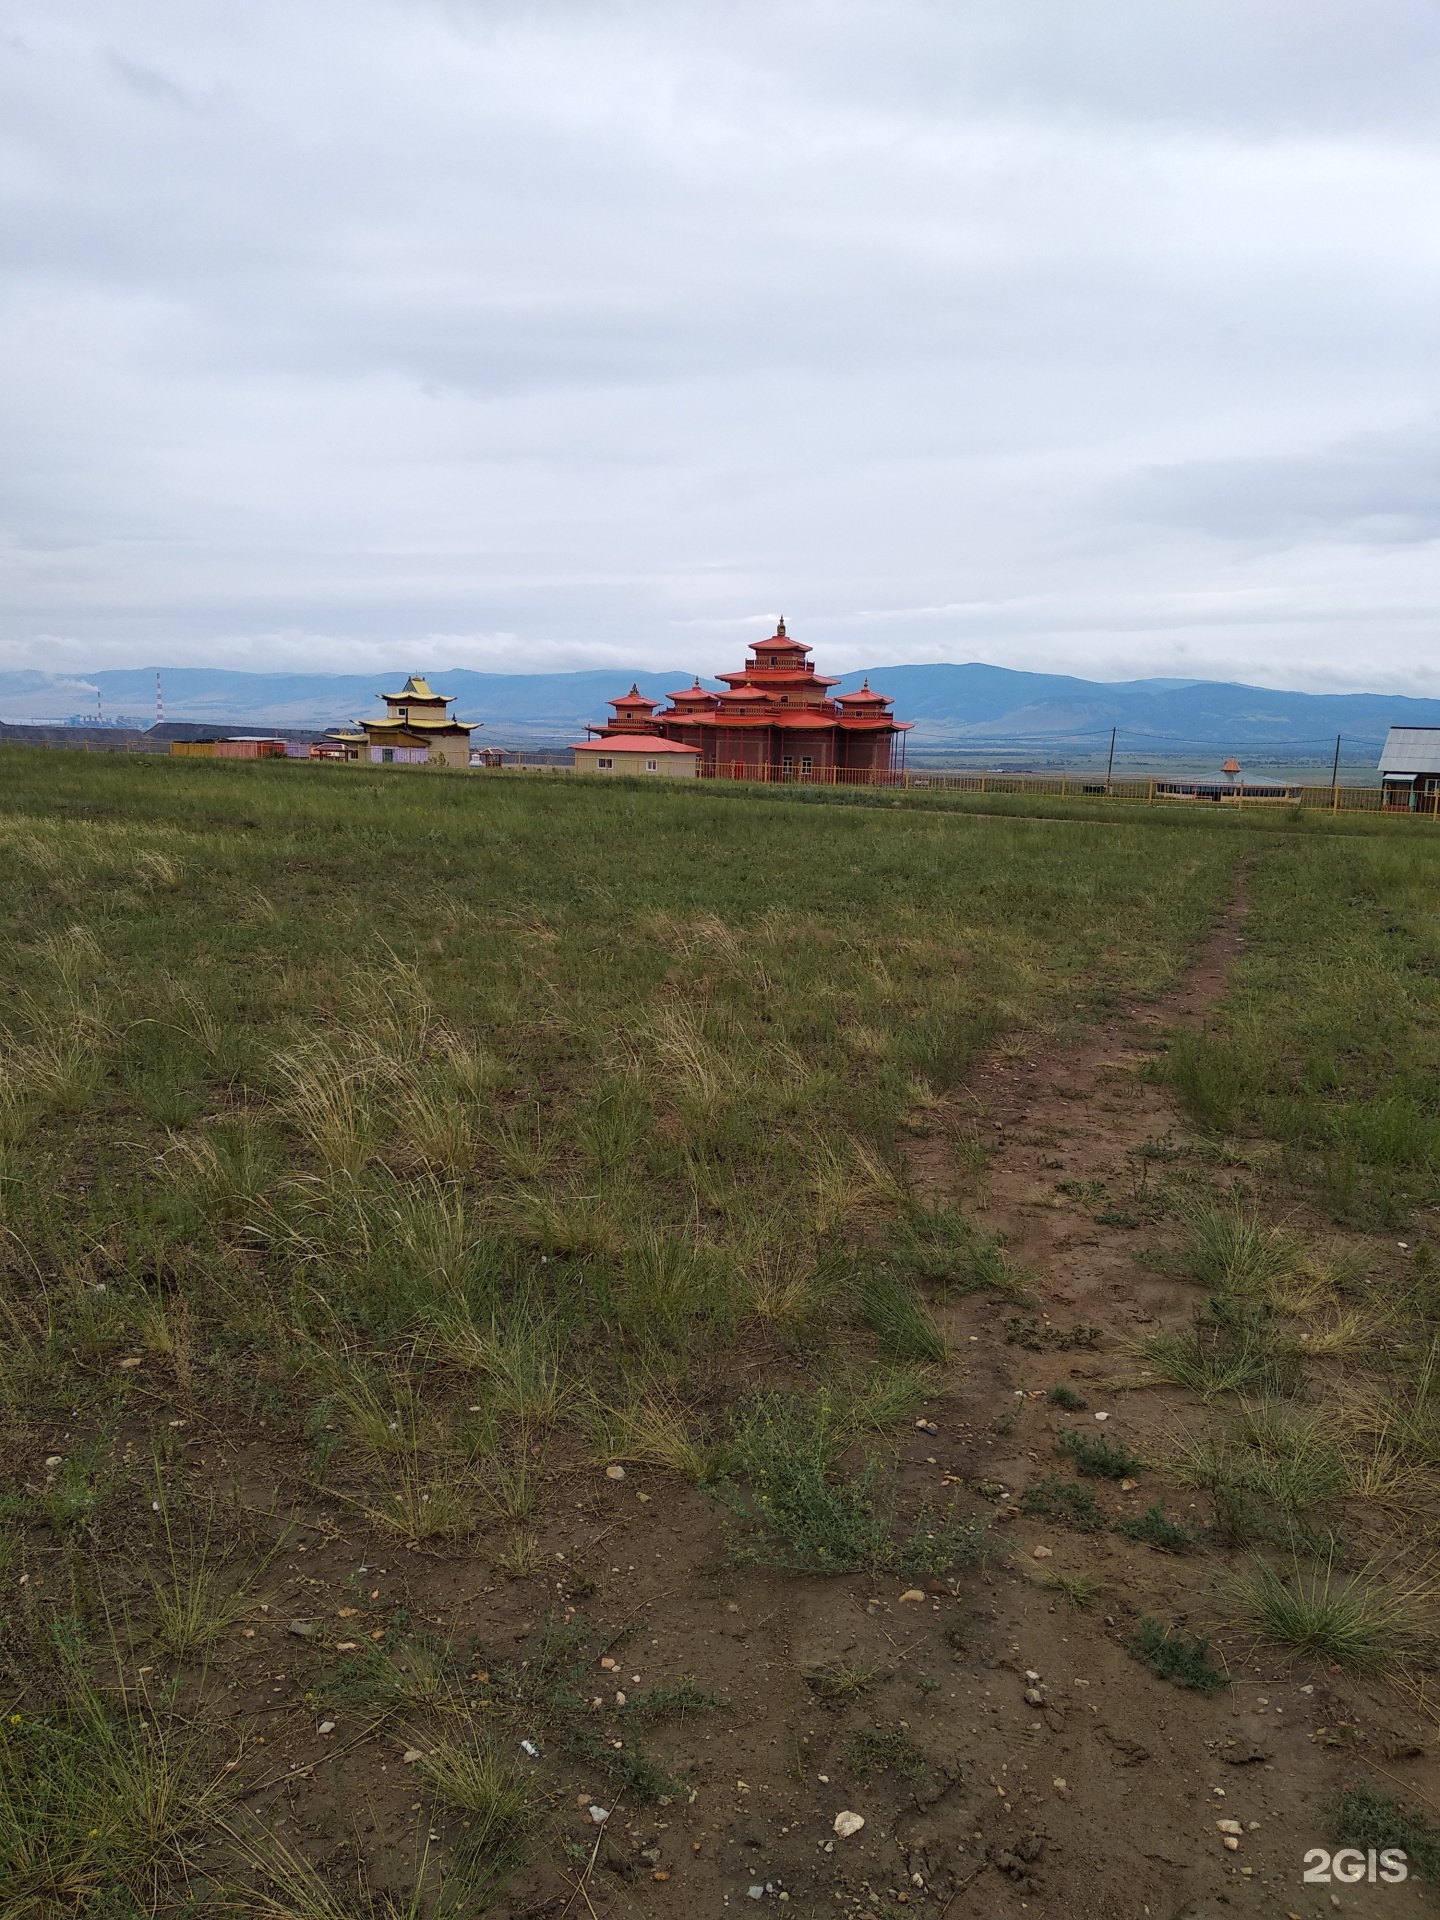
column 776, row 711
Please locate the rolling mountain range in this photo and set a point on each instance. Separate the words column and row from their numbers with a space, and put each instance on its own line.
column 971, row 710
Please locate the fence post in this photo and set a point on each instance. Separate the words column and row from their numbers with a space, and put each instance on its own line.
column 1151, row 797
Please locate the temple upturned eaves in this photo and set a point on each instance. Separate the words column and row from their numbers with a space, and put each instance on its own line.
column 776, row 719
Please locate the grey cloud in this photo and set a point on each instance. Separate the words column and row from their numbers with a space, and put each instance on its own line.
column 332, row 326
column 154, row 86
column 1378, row 488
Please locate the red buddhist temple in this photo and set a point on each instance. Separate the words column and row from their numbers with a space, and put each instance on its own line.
column 776, row 721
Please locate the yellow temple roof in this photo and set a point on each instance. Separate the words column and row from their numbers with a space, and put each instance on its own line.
column 417, row 687
column 392, row 724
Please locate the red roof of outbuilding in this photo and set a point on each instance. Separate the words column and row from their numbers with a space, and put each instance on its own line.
column 630, row 743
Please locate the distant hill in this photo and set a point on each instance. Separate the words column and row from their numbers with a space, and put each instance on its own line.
column 974, row 710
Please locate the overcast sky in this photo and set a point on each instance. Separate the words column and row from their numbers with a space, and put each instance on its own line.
column 1091, row 335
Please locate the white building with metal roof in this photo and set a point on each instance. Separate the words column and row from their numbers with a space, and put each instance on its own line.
column 1410, row 768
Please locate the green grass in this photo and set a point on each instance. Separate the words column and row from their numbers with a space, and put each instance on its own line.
column 1364, row 1815
column 493, row 1797
column 936, row 1245
column 1222, row 1356
column 872, row 1750
column 1077, row 1590
column 839, row 1681
column 891, row 1307
column 1327, row 1042
column 96, row 1798
column 456, row 1127
column 1362, row 1620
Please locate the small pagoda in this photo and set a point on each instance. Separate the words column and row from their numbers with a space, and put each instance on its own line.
column 776, row 720
column 418, row 730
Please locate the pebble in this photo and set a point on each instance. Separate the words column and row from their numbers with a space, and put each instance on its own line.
column 125, row 1366
column 1229, row 1826
column 55, row 1460
column 926, row 1426
column 847, row 1823
column 411, row 1755
column 1042, row 1553
column 1034, row 1697
column 599, row 1815
column 302, row 1629
column 326, row 1726
column 1230, row 1843
column 614, row 1473
column 1128, row 1486
column 1102, row 1416
column 608, row 1663
column 912, row 1593
column 1031, row 1674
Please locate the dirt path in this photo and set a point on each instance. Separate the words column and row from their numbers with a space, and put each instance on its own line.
column 1114, row 1780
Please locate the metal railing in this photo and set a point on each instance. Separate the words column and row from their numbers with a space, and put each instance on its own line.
column 1152, row 790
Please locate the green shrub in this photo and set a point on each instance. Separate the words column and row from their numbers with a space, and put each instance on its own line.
column 1183, row 1658
column 1038, row 1336
column 1155, row 1530
column 1065, row 1500
column 1062, row 1396
column 820, row 1520
column 1098, row 1457
column 940, row 1543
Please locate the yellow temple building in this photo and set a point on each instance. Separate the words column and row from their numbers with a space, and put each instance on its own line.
column 418, row 730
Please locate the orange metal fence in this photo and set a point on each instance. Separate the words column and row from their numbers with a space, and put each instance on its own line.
column 1156, row 790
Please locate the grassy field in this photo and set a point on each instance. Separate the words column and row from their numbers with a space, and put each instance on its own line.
column 378, row 1154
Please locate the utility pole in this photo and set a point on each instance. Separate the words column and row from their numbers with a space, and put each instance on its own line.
column 1111, row 768
column 159, row 702
column 1335, row 779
